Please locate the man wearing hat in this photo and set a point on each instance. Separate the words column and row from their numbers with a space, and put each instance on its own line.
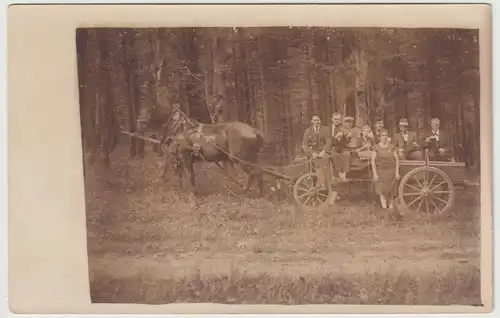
column 406, row 142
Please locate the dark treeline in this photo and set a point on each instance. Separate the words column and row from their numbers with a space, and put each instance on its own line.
column 276, row 78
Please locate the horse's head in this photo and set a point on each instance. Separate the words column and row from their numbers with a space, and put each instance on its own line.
column 170, row 149
column 169, row 143
column 158, row 117
column 177, row 123
column 174, row 147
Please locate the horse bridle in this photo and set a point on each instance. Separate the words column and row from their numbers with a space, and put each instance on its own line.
column 173, row 127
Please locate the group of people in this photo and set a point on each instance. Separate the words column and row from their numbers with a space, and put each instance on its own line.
column 341, row 142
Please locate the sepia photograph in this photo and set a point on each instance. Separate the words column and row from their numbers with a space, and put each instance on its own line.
column 281, row 165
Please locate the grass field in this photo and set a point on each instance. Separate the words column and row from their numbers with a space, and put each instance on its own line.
column 150, row 242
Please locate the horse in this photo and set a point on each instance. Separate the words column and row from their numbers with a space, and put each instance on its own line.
column 188, row 141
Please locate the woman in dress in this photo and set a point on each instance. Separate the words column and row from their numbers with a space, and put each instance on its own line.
column 385, row 166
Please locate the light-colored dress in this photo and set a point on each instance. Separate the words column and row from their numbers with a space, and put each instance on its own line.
column 385, row 164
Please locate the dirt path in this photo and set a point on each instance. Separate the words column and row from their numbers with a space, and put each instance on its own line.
column 391, row 256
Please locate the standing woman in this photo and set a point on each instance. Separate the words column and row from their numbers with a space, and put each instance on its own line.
column 385, row 165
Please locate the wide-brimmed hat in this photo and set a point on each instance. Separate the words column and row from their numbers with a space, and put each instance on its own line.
column 403, row 122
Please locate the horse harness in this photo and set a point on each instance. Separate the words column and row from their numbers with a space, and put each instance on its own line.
column 197, row 136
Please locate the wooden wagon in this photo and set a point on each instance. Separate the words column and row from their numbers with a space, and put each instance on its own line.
column 425, row 186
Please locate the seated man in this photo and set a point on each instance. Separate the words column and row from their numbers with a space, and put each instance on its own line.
column 354, row 133
column 339, row 152
column 438, row 143
column 316, row 144
column 406, row 143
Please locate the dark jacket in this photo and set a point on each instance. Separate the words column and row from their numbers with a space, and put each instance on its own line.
column 443, row 142
column 316, row 142
column 339, row 143
column 408, row 145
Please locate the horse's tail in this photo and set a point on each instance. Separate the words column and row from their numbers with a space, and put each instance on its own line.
column 260, row 135
column 261, row 138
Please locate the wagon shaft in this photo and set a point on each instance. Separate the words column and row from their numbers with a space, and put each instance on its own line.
column 275, row 174
column 151, row 140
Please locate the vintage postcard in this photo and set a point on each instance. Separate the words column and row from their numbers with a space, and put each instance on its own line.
column 255, row 160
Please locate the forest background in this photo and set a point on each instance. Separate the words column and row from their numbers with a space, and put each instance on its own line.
column 276, row 78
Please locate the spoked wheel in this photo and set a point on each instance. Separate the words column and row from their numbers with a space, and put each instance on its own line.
column 427, row 190
column 308, row 193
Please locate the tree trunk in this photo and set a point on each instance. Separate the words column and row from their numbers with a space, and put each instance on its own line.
column 136, row 145
column 244, row 81
column 263, row 58
column 432, row 80
column 219, row 53
column 190, row 50
column 360, row 84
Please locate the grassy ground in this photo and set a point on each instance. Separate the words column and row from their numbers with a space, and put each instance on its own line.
column 149, row 242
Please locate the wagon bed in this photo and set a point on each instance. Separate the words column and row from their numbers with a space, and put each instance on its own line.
column 458, row 172
column 425, row 186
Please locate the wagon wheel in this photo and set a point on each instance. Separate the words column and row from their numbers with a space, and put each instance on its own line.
column 307, row 191
column 427, row 189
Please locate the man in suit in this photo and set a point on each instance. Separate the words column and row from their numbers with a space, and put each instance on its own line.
column 340, row 152
column 316, row 143
column 406, row 142
column 438, row 142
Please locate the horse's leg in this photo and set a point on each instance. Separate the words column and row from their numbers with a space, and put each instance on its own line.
column 249, row 177
column 259, row 175
column 166, row 165
column 190, row 170
column 247, row 149
column 261, row 181
column 226, row 165
column 255, row 177
column 229, row 166
column 179, row 172
column 165, row 169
